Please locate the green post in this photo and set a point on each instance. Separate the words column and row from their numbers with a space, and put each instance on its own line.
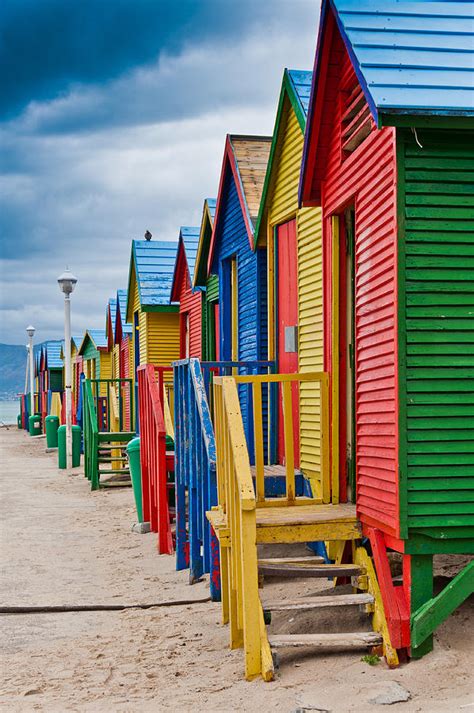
column 76, row 447
column 18, row 420
column 52, row 425
column 421, row 592
column 133, row 453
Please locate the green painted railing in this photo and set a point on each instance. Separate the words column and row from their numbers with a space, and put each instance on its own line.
column 91, row 431
column 124, row 391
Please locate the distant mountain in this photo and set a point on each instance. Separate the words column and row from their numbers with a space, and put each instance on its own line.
column 12, row 369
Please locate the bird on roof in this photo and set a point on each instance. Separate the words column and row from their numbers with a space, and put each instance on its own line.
column 148, row 236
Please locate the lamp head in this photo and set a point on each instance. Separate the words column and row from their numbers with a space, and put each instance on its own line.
column 30, row 331
column 67, row 282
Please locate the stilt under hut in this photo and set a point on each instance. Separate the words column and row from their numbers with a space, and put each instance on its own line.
column 292, row 237
column 389, row 157
column 190, row 298
column 210, row 306
column 156, row 345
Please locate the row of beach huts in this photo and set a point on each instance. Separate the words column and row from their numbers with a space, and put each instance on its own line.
column 299, row 367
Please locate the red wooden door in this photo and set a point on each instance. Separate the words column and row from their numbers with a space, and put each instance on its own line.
column 125, row 374
column 287, row 321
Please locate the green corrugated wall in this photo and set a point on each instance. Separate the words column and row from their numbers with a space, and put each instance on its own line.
column 436, row 323
column 208, row 328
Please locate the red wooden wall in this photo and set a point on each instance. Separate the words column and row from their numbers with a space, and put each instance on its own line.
column 366, row 179
column 190, row 303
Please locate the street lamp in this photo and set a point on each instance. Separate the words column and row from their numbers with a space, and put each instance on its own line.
column 66, row 283
column 31, row 333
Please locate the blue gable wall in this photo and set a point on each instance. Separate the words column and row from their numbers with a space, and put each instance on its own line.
column 232, row 239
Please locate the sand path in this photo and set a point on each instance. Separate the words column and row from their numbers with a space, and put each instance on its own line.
column 62, row 544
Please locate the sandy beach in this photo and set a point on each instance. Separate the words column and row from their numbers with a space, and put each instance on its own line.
column 63, row 545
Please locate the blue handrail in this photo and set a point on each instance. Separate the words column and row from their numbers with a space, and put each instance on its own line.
column 195, row 474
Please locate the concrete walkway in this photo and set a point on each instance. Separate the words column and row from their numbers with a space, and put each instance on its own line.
column 63, row 545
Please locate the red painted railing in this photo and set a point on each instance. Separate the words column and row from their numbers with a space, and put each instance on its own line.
column 155, row 464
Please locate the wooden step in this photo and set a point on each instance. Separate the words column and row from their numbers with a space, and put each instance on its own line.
column 113, row 471
column 358, row 639
column 110, row 436
column 308, row 570
column 112, row 459
column 116, row 484
column 118, row 447
column 308, row 559
column 323, row 602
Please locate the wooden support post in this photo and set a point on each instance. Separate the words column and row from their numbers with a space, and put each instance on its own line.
column 289, row 443
column 421, row 592
column 430, row 615
column 251, row 602
column 258, row 435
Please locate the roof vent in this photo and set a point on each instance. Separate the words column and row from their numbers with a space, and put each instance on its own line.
column 356, row 120
column 148, row 235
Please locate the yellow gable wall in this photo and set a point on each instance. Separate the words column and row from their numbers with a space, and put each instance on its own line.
column 116, row 362
column 284, row 202
column 158, row 333
column 284, row 207
column 163, row 337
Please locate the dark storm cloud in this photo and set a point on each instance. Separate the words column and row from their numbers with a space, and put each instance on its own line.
column 47, row 46
column 117, row 125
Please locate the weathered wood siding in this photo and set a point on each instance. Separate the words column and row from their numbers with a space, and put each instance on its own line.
column 367, row 178
column 436, row 332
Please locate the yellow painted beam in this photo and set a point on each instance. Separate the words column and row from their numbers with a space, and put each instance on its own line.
column 335, row 361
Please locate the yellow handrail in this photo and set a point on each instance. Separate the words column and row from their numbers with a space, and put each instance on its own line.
column 287, row 381
column 239, row 578
column 168, row 408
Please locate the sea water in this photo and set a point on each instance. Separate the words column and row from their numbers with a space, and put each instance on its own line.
column 9, row 411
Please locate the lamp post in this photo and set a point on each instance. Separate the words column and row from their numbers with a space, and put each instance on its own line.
column 66, row 283
column 31, row 333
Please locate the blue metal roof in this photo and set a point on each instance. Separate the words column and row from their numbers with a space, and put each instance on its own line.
column 53, row 355
column 122, row 310
column 190, row 237
column 211, row 202
column 112, row 305
column 411, row 57
column 154, row 264
column 98, row 337
column 301, row 81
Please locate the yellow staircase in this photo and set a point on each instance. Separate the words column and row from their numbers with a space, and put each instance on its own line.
column 246, row 519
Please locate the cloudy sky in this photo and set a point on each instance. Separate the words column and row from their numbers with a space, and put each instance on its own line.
column 113, row 115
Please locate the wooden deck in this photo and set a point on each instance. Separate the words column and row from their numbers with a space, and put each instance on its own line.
column 306, row 523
